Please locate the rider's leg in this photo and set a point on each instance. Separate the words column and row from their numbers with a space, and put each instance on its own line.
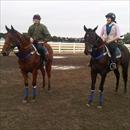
column 112, row 49
column 43, row 52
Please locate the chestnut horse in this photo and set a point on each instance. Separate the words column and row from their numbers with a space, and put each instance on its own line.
column 100, row 61
column 28, row 58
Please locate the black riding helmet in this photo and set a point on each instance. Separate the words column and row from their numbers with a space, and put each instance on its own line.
column 112, row 16
column 37, row 16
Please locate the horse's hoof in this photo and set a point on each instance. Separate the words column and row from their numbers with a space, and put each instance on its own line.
column 99, row 107
column 125, row 91
column 43, row 88
column 49, row 89
column 33, row 100
column 88, row 105
column 116, row 90
column 24, row 101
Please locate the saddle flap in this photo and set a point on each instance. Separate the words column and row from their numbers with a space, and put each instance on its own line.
column 118, row 52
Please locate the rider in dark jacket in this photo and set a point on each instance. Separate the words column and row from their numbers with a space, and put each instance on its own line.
column 39, row 35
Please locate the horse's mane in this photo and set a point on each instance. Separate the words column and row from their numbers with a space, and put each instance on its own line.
column 17, row 34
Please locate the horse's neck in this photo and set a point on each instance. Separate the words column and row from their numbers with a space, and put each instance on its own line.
column 25, row 44
column 101, row 42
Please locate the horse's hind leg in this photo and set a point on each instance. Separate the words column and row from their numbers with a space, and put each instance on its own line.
column 34, row 73
column 43, row 76
column 117, row 74
column 125, row 76
column 48, row 70
column 26, row 89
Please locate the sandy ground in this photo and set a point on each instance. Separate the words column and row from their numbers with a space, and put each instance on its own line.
column 64, row 107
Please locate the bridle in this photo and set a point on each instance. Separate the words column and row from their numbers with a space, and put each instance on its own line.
column 96, row 49
column 17, row 43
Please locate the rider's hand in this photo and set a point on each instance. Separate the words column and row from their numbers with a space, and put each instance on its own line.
column 109, row 41
column 45, row 42
column 31, row 40
column 104, row 40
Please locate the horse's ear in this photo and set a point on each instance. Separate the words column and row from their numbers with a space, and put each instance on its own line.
column 7, row 28
column 12, row 28
column 95, row 28
column 85, row 29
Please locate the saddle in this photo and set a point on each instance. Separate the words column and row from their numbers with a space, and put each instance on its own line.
column 118, row 52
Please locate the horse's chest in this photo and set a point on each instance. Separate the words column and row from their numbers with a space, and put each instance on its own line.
column 99, row 68
column 28, row 67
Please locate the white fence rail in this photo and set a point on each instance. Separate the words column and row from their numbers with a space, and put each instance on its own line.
column 59, row 47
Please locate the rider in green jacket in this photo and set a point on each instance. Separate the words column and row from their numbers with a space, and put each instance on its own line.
column 39, row 35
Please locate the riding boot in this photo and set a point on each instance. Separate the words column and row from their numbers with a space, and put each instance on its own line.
column 113, row 65
column 44, row 59
column 113, row 62
column 43, row 52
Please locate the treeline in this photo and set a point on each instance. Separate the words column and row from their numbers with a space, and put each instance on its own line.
column 1, row 35
column 66, row 39
column 57, row 39
column 125, row 39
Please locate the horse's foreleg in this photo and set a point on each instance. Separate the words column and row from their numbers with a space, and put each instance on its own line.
column 48, row 70
column 26, row 89
column 43, row 76
column 93, row 78
column 101, row 88
column 117, row 74
column 34, row 73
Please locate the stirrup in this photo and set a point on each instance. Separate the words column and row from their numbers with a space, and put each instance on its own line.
column 113, row 66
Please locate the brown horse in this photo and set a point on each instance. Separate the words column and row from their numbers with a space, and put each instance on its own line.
column 100, row 61
column 28, row 58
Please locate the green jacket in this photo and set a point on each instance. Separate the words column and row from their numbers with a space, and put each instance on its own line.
column 39, row 32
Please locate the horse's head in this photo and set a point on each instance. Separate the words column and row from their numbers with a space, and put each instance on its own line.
column 12, row 40
column 90, row 39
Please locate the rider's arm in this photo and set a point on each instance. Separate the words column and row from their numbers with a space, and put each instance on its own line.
column 30, row 33
column 46, row 33
column 102, row 33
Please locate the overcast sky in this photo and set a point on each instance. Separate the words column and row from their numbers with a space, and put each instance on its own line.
column 64, row 18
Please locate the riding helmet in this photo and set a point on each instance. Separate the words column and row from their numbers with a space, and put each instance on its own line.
column 111, row 15
column 37, row 16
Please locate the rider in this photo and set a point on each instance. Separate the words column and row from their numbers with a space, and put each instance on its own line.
column 110, row 34
column 39, row 35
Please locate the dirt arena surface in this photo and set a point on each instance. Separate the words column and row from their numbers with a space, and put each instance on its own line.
column 64, row 107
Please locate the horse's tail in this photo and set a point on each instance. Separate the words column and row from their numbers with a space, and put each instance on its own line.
column 48, row 66
column 50, row 57
column 125, row 64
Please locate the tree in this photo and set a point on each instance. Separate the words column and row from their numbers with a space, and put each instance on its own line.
column 126, row 39
column 1, row 35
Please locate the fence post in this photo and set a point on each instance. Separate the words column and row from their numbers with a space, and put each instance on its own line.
column 74, row 47
column 59, row 47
